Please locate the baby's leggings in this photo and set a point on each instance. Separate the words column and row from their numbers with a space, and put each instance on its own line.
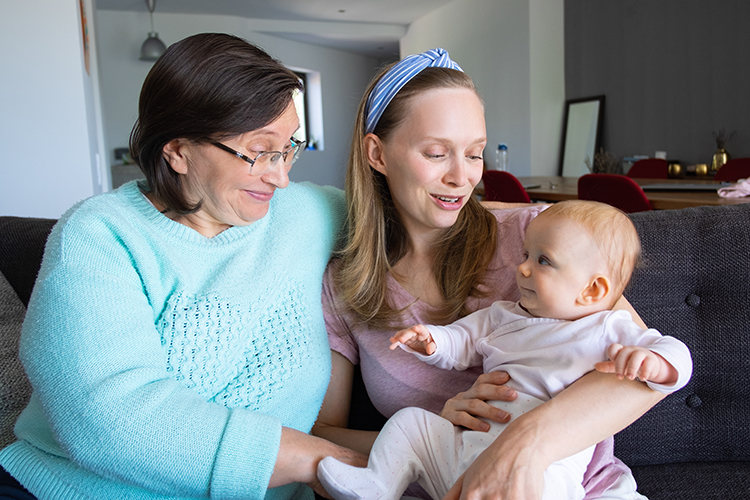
column 418, row 445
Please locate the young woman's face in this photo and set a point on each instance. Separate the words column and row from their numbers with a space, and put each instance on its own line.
column 433, row 159
column 233, row 192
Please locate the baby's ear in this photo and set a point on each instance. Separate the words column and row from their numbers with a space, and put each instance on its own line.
column 595, row 292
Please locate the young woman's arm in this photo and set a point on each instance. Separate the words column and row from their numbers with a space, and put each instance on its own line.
column 334, row 414
column 590, row 410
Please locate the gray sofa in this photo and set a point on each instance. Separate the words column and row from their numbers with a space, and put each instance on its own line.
column 694, row 284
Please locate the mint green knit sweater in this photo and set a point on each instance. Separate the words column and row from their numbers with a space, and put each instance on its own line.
column 164, row 363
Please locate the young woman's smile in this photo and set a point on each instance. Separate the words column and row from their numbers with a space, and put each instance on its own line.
column 433, row 160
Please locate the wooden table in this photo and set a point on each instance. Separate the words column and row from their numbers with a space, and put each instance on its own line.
column 555, row 188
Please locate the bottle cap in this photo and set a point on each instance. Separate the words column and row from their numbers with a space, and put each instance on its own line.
column 502, row 146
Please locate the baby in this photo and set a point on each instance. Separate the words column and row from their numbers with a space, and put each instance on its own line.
column 579, row 256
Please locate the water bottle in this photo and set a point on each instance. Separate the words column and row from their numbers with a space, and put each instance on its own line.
column 501, row 157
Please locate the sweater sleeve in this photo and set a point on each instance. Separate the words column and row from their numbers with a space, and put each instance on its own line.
column 93, row 355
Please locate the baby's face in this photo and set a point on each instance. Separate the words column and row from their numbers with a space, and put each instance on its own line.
column 562, row 259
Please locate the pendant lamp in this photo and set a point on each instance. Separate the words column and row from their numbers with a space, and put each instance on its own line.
column 152, row 48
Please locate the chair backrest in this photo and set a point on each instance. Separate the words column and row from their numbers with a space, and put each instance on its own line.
column 617, row 190
column 503, row 186
column 734, row 170
column 650, row 168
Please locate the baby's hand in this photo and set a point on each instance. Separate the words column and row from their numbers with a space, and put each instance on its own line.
column 634, row 361
column 417, row 337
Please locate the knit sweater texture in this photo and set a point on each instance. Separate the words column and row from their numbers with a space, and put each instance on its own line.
column 164, row 363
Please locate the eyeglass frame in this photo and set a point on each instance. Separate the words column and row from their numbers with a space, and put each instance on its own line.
column 297, row 146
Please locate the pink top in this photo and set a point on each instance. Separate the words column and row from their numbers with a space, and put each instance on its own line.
column 397, row 379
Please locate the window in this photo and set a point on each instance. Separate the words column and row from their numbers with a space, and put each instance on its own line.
column 310, row 109
column 300, row 102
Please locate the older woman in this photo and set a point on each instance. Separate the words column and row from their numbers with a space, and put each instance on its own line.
column 175, row 340
column 421, row 249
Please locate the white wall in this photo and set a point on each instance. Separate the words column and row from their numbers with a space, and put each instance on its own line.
column 344, row 76
column 513, row 50
column 547, row 83
column 48, row 117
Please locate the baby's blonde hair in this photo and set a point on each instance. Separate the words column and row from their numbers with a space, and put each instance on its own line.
column 613, row 232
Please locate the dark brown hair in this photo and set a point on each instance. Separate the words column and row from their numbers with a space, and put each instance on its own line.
column 204, row 88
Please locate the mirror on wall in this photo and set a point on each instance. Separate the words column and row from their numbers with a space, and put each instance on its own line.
column 581, row 135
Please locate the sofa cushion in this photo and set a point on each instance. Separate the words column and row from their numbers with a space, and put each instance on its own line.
column 695, row 285
column 14, row 386
column 694, row 481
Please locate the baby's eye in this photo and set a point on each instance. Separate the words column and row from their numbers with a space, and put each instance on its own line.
column 543, row 261
column 474, row 157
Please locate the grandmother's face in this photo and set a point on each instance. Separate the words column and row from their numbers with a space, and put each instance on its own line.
column 233, row 192
column 433, row 159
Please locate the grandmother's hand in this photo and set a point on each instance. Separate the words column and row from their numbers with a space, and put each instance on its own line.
column 342, row 454
column 469, row 407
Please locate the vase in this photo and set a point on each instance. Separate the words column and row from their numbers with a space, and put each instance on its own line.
column 720, row 158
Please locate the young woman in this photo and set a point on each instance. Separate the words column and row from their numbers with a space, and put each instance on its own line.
column 422, row 249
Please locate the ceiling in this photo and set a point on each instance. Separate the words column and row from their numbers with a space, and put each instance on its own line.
column 369, row 27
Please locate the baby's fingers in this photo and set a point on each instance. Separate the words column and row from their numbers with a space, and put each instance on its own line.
column 631, row 364
column 649, row 368
column 605, row 367
column 403, row 337
column 613, row 350
column 411, row 337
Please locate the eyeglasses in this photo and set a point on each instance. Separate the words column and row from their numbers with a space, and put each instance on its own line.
column 267, row 159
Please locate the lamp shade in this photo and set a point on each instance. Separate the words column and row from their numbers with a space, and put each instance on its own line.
column 152, row 48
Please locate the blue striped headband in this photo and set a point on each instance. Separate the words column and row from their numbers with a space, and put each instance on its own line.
column 398, row 76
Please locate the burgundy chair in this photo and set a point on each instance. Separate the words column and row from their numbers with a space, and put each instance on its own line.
column 503, row 186
column 734, row 170
column 617, row 190
column 650, row 168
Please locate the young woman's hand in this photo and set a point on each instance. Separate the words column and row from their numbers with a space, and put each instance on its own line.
column 468, row 408
column 518, row 476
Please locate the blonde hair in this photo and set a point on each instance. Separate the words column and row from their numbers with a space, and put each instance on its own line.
column 613, row 232
column 377, row 239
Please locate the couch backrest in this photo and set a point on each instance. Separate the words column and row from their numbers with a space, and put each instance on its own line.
column 695, row 285
column 21, row 248
column 22, row 242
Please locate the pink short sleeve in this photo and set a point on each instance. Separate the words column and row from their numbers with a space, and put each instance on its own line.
column 340, row 337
